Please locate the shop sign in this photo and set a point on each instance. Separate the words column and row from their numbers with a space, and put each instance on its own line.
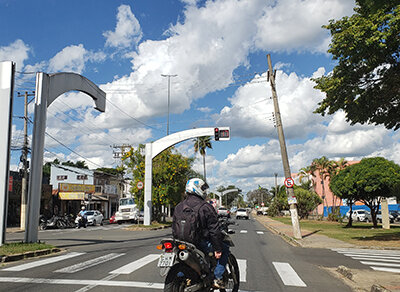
column 72, row 196
column 64, row 187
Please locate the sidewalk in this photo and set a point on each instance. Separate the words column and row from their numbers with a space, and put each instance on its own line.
column 358, row 280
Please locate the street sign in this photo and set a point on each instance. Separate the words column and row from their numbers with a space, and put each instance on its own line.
column 140, row 185
column 289, row 182
column 292, row 200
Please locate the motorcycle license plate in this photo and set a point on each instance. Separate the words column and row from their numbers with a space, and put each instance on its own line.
column 166, row 260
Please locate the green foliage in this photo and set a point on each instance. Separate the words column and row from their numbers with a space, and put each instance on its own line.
column 232, row 198
column 78, row 164
column 365, row 82
column 368, row 181
column 306, row 201
column 118, row 171
column 200, row 145
column 259, row 195
column 171, row 170
column 279, row 202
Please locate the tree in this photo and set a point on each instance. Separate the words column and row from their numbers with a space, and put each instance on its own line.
column 200, row 145
column 369, row 181
column 365, row 82
column 279, row 202
column 259, row 195
column 229, row 198
column 306, row 201
column 322, row 166
column 171, row 171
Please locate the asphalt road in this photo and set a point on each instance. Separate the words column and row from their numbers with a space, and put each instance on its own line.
column 103, row 258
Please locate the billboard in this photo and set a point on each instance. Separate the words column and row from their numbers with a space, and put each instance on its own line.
column 64, row 187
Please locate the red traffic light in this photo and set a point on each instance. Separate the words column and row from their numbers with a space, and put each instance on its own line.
column 216, row 134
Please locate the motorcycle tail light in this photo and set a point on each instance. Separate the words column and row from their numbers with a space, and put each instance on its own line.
column 182, row 246
column 168, row 245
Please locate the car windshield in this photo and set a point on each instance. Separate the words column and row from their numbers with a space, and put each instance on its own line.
column 361, row 212
column 127, row 201
column 241, row 210
column 89, row 213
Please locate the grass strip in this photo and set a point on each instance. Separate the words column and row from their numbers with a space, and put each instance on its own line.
column 21, row 247
column 360, row 233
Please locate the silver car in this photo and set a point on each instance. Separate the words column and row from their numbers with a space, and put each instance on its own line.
column 379, row 217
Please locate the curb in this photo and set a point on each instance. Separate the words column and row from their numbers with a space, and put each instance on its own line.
column 28, row 254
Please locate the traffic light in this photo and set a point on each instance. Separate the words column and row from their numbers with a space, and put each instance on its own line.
column 216, row 134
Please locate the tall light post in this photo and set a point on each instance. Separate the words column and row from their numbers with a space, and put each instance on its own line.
column 169, row 90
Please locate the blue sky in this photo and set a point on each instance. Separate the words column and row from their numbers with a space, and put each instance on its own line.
column 218, row 50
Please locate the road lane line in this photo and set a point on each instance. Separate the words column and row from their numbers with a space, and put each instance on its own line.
column 381, row 264
column 132, row 284
column 90, row 287
column 39, row 263
column 243, row 231
column 242, row 270
column 131, row 267
column 89, row 263
column 260, row 232
column 288, row 275
column 386, row 269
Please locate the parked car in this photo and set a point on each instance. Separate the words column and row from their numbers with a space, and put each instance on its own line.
column 94, row 217
column 379, row 217
column 395, row 214
column 223, row 212
column 360, row 215
column 242, row 214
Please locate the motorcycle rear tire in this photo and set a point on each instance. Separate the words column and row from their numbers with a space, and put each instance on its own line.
column 233, row 270
column 175, row 283
column 43, row 226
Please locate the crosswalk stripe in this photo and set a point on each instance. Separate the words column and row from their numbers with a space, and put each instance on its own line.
column 131, row 267
column 89, row 263
column 288, row 275
column 39, row 263
column 242, row 270
column 376, row 259
column 367, row 251
column 380, row 264
column 243, row 231
column 374, row 256
column 386, row 269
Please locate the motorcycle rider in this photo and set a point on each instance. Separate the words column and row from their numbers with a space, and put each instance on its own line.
column 83, row 214
column 211, row 239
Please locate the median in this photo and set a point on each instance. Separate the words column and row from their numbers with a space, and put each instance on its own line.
column 17, row 251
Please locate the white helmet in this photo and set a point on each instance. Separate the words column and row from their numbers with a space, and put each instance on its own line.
column 83, row 208
column 197, row 186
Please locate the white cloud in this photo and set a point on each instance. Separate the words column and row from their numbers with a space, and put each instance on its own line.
column 127, row 31
column 73, row 59
column 291, row 25
column 205, row 109
column 17, row 52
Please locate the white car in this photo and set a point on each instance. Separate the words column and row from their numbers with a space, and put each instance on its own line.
column 242, row 213
column 360, row 215
column 94, row 217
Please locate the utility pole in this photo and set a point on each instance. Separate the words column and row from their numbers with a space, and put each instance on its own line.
column 282, row 143
column 24, row 160
column 276, row 184
column 169, row 90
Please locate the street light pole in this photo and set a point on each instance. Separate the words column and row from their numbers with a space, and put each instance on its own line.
column 169, row 90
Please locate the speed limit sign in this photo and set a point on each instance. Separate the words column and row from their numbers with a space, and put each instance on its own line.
column 139, row 185
column 289, row 182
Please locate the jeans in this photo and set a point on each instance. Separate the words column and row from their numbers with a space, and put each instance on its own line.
column 206, row 247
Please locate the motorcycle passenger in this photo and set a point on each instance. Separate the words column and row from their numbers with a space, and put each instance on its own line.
column 83, row 214
column 211, row 239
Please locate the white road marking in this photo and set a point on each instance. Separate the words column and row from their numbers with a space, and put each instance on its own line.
column 132, row 284
column 89, row 263
column 381, row 264
column 260, row 232
column 39, row 263
column 386, row 269
column 131, row 267
column 288, row 275
column 373, row 256
column 375, row 259
column 242, row 270
column 367, row 251
column 90, row 287
column 243, row 231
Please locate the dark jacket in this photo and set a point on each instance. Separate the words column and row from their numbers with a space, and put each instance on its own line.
column 210, row 227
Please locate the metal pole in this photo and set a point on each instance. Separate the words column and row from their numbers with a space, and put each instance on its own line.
column 169, row 90
column 276, row 184
column 282, row 143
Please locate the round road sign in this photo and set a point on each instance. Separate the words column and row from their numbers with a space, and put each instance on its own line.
column 139, row 185
column 289, row 182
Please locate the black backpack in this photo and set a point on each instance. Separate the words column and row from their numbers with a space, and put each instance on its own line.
column 186, row 224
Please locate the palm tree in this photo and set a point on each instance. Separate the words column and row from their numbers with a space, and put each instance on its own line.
column 335, row 168
column 322, row 166
column 200, row 145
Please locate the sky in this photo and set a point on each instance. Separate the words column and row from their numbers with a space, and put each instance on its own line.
column 218, row 50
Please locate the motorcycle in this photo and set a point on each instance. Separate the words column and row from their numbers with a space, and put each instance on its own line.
column 53, row 222
column 188, row 269
column 80, row 222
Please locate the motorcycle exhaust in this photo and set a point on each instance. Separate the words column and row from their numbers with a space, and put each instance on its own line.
column 190, row 260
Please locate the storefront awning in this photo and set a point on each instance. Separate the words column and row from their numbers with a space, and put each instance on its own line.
column 71, row 196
